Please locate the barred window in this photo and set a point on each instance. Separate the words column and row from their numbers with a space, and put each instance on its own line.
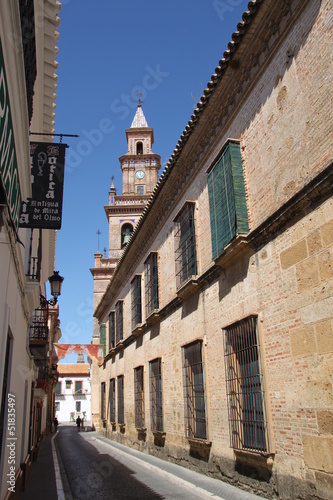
column 102, row 337
column 112, row 400
column 136, row 301
column 77, row 406
column 103, row 400
column 111, row 329
column 139, row 398
column 193, row 374
column 57, row 406
column 156, row 401
column 119, row 321
column 120, row 399
column 151, row 280
column 185, row 245
column 245, row 388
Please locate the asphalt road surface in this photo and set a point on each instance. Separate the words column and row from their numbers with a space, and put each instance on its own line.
column 93, row 467
column 94, row 470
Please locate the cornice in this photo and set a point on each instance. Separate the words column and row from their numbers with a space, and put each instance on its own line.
column 249, row 52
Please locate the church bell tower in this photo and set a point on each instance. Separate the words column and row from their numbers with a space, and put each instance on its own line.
column 139, row 166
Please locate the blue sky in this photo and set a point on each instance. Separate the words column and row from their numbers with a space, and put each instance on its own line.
column 108, row 51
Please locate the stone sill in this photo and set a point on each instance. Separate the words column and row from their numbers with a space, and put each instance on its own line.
column 236, row 248
column 197, row 442
column 188, row 288
column 137, row 330
column 256, row 458
column 153, row 317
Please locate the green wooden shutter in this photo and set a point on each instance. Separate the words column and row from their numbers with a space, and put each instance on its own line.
column 227, row 201
column 102, row 337
column 239, row 189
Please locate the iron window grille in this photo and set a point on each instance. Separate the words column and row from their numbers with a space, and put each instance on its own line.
column 156, row 400
column 103, row 408
column 136, row 301
column 185, row 245
column 151, row 284
column 102, row 338
column 77, row 406
column 194, row 391
column 139, row 398
column 245, row 387
column 119, row 321
column 112, row 330
column 120, row 399
column 57, row 406
column 112, row 400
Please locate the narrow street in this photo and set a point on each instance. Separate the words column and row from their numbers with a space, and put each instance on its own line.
column 93, row 467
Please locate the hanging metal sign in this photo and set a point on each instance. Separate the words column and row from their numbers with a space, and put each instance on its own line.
column 44, row 208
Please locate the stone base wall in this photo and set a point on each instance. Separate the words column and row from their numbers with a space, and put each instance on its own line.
column 257, row 476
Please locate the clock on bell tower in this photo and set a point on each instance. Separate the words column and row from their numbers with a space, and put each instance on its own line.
column 140, row 168
column 139, row 165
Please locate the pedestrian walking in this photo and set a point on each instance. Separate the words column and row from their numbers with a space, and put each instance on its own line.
column 78, row 423
column 55, row 423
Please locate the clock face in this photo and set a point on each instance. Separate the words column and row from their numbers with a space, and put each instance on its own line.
column 140, row 174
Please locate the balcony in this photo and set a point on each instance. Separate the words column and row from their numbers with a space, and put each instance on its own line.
column 43, row 377
column 39, row 335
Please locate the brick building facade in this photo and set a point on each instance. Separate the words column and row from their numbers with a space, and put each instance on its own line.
column 218, row 317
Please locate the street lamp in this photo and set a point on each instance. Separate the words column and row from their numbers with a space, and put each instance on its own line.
column 55, row 285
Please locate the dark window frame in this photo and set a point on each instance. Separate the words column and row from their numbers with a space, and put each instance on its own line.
column 112, row 400
column 102, row 337
column 112, row 329
column 136, row 300
column 120, row 400
column 156, row 395
column 119, row 321
column 152, row 301
column 103, row 401
column 185, row 244
column 139, row 398
column 247, row 413
column 194, row 391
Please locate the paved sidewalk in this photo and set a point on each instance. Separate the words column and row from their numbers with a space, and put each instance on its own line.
column 41, row 483
column 213, row 487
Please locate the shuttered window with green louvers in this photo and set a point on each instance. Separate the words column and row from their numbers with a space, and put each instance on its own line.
column 227, row 199
column 102, row 337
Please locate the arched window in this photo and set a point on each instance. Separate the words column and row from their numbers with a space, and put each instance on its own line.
column 139, row 148
column 126, row 232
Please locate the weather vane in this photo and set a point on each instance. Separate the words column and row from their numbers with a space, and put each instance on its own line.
column 139, row 94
